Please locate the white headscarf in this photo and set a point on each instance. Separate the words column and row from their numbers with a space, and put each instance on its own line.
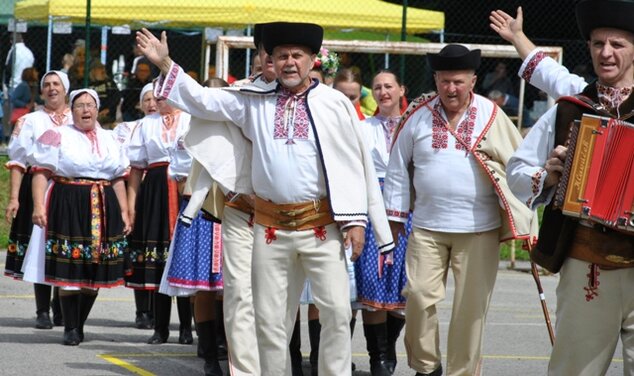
column 62, row 76
column 75, row 93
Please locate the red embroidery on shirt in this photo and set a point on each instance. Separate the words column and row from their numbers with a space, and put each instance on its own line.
column 291, row 117
column 396, row 213
column 51, row 137
column 535, row 185
column 464, row 131
column 439, row 131
column 532, row 65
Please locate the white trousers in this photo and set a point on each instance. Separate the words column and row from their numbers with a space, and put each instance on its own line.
column 280, row 266
column 587, row 331
column 237, row 243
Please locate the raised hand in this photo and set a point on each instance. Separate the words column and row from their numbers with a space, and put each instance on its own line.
column 505, row 25
column 154, row 49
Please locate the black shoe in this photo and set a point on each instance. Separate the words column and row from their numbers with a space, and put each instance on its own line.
column 143, row 320
column 223, row 353
column 71, row 337
column 436, row 372
column 185, row 336
column 43, row 321
column 58, row 319
column 212, row 368
column 158, row 337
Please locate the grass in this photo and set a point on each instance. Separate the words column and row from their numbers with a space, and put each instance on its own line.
column 4, row 198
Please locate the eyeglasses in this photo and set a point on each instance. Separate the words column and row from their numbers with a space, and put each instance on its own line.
column 87, row 106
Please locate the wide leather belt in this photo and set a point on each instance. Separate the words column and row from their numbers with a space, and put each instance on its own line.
column 293, row 217
column 239, row 203
column 608, row 249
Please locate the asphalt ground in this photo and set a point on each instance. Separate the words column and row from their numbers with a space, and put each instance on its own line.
column 516, row 340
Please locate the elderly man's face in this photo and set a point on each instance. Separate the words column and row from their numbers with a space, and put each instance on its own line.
column 612, row 52
column 292, row 65
column 454, row 88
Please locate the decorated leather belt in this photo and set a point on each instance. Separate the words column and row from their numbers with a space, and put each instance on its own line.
column 607, row 248
column 293, row 217
column 237, row 201
column 97, row 209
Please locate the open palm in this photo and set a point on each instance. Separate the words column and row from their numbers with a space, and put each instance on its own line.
column 154, row 49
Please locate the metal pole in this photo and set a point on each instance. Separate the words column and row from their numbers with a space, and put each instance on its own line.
column 87, row 48
column 403, row 38
column 49, row 42
column 104, row 45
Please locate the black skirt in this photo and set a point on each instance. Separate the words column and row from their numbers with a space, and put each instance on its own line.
column 156, row 211
column 85, row 245
column 21, row 229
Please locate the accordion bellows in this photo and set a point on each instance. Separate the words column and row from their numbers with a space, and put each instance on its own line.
column 598, row 179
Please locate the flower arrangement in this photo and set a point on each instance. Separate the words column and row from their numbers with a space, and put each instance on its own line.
column 327, row 61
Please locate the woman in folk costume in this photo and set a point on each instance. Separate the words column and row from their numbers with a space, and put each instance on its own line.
column 156, row 146
column 54, row 87
column 194, row 264
column 82, row 217
column 142, row 298
column 379, row 279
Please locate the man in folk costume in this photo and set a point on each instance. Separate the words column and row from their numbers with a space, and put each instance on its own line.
column 452, row 149
column 595, row 304
column 309, row 205
column 213, row 148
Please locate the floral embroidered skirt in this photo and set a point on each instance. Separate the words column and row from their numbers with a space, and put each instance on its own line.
column 21, row 229
column 379, row 284
column 195, row 257
column 83, row 243
column 156, row 211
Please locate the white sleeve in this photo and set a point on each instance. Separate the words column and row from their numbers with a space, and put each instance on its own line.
column 216, row 104
column 396, row 188
column 21, row 142
column 525, row 171
column 547, row 75
column 136, row 151
column 46, row 150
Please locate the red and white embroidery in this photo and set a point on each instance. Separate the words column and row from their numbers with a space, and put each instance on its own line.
column 396, row 213
column 51, row 138
column 532, row 64
column 612, row 97
column 291, row 117
column 464, row 131
column 536, row 181
column 439, row 131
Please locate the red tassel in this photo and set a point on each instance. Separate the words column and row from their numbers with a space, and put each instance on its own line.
column 269, row 235
column 593, row 282
column 320, row 233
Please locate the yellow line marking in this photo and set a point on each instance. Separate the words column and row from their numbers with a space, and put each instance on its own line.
column 130, row 367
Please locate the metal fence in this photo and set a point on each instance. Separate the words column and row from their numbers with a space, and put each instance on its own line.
column 62, row 41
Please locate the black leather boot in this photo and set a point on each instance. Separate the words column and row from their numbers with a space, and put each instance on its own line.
column 143, row 319
column 353, row 323
column 436, row 372
column 185, row 317
column 70, row 309
column 207, row 345
column 376, row 343
column 162, row 313
column 86, row 302
column 314, row 334
column 394, row 328
column 58, row 319
column 294, row 348
column 42, row 306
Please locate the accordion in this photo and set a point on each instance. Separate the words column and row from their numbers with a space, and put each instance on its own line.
column 598, row 179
